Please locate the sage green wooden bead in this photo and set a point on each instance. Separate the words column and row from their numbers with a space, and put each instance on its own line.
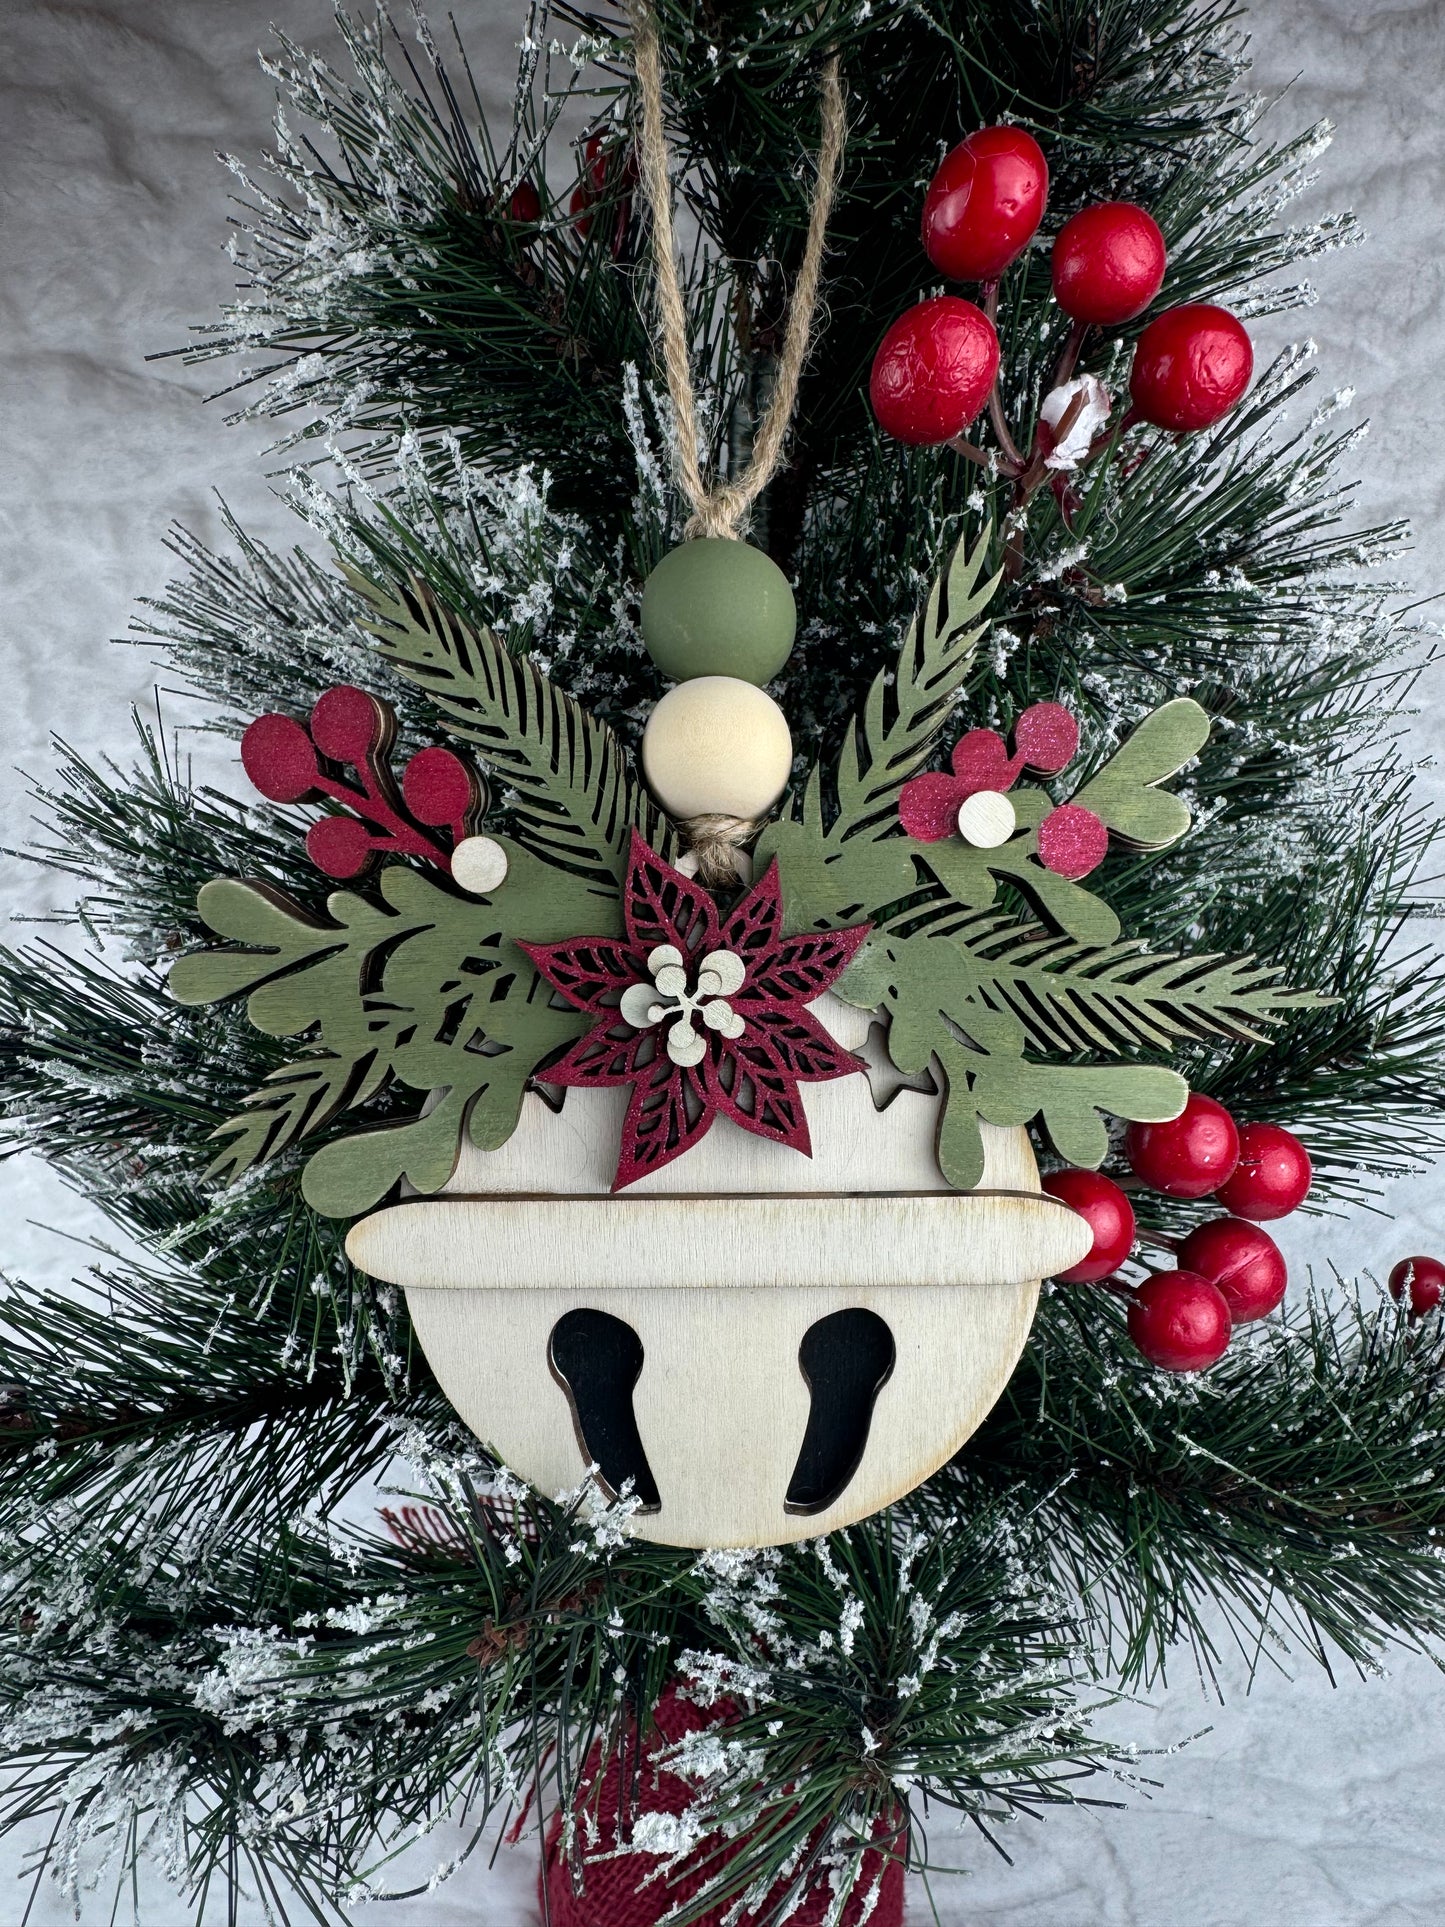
column 716, row 607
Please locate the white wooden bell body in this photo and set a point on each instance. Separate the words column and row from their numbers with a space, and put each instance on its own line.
column 721, row 1263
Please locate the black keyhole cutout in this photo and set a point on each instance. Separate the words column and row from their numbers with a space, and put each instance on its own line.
column 847, row 1359
column 597, row 1360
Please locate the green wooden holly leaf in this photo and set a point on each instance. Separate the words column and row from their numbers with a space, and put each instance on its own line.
column 277, row 934
column 929, row 988
column 971, row 875
column 1069, row 1099
column 350, row 1175
column 1124, row 794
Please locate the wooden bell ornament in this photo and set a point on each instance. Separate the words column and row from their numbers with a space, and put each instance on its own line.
column 764, row 1348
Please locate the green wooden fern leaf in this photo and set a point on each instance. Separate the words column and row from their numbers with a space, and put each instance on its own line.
column 1076, row 997
column 899, row 728
column 575, row 799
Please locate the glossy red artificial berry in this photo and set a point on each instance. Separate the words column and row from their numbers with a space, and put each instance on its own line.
column 1191, row 366
column 280, row 758
column 1108, row 263
column 1245, row 1262
column 1272, row 1176
column 1423, row 1279
column 1110, row 1217
column 985, row 203
column 1180, row 1321
column 933, row 370
column 525, row 205
column 348, row 725
column 1191, row 1155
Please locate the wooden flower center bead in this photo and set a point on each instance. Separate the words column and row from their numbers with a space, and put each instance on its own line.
column 719, row 975
column 986, row 819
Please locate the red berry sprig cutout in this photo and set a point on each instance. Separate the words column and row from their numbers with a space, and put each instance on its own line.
column 347, row 728
column 1072, row 840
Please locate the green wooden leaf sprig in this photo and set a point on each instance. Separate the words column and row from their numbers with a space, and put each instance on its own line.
column 425, row 987
column 830, row 872
column 970, row 990
column 575, row 798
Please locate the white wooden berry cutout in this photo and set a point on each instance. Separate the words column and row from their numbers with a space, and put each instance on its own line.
column 722, row 1264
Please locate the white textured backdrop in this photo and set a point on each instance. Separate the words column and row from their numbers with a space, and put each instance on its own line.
column 1301, row 1805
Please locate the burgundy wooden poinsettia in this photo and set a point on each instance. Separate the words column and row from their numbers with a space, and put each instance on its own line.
column 700, row 1013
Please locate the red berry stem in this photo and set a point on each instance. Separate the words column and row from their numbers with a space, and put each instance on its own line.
column 995, row 401
column 372, row 805
column 1069, row 359
column 969, row 451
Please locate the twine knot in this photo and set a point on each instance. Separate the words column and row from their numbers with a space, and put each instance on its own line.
column 715, row 840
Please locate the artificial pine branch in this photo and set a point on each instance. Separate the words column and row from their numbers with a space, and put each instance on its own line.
column 267, row 1696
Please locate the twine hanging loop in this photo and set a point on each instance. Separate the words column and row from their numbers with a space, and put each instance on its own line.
column 722, row 507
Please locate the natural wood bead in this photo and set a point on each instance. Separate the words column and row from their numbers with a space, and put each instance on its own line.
column 479, row 865
column 986, row 819
column 717, row 746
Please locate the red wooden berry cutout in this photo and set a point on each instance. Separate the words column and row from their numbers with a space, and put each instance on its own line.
column 1191, row 1155
column 1108, row 263
column 352, row 728
column 981, row 761
column 280, row 759
column 1272, row 1176
column 1423, row 1279
column 1180, row 1321
column 1245, row 1262
column 1191, row 366
column 1046, row 737
column 1110, row 1217
column 928, row 806
column 985, row 203
column 933, row 370
column 1072, row 841
column 340, row 846
column 348, row 725
column 439, row 789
